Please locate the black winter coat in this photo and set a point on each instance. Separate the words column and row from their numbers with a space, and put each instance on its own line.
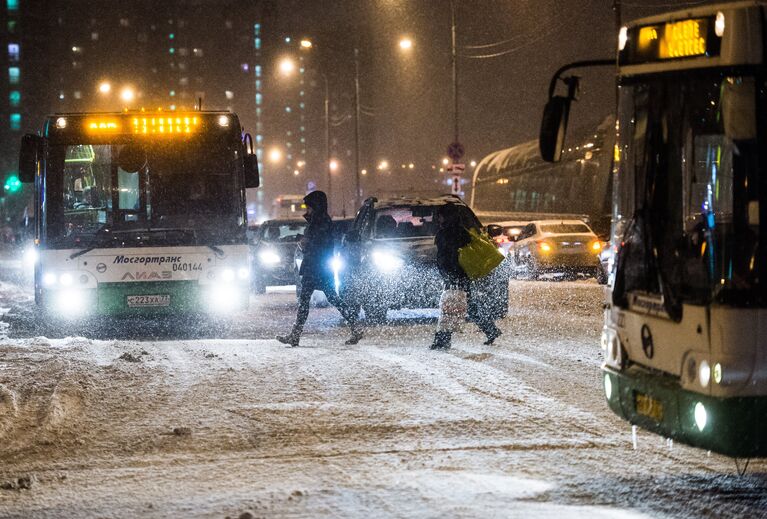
column 448, row 241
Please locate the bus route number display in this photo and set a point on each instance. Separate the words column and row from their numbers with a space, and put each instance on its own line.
column 670, row 41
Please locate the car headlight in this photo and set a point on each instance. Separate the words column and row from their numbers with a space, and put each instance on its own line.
column 243, row 273
column 386, row 261
column 227, row 275
column 337, row 264
column 269, row 257
column 30, row 257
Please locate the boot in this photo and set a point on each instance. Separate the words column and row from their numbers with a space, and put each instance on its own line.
column 441, row 341
column 492, row 335
column 355, row 338
column 290, row 339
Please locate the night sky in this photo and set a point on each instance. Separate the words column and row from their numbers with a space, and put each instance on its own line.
column 501, row 98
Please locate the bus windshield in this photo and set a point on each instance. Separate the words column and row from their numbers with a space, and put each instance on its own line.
column 686, row 202
column 186, row 192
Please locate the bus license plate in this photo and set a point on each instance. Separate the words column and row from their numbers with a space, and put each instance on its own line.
column 649, row 407
column 149, row 300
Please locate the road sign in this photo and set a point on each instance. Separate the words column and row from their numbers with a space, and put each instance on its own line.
column 455, row 151
column 456, row 185
column 457, row 169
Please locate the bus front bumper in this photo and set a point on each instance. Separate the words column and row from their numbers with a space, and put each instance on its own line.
column 146, row 299
column 732, row 426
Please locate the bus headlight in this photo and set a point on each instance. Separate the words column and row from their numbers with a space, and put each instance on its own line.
column 65, row 279
column 227, row 275
column 269, row 257
column 336, row 264
column 243, row 273
column 608, row 387
column 701, row 416
column 704, row 373
column 70, row 303
column 386, row 261
column 30, row 257
column 223, row 298
column 49, row 279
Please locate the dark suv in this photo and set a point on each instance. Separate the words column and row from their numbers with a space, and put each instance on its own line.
column 388, row 258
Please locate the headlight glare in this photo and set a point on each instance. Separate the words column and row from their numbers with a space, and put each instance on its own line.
column 65, row 279
column 243, row 273
column 701, row 416
column 227, row 275
column 704, row 373
column 269, row 257
column 386, row 261
column 49, row 279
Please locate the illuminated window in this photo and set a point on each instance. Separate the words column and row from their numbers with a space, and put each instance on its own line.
column 258, row 43
column 258, row 112
column 229, row 94
column 61, row 95
column 12, row 26
column 228, row 24
column 13, row 52
column 259, row 99
column 172, row 50
column 259, row 139
column 15, row 120
column 258, row 84
column 14, row 98
column 288, row 109
column 77, row 94
column 172, row 93
column 183, row 81
column 302, row 105
column 13, row 5
column 142, row 37
column 258, row 70
column 124, row 22
column 197, row 53
column 94, row 36
column 244, row 67
column 183, row 51
column 171, row 36
column 14, row 74
column 257, row 29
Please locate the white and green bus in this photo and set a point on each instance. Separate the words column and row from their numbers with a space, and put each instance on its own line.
column 685, row 335
column 139, row 213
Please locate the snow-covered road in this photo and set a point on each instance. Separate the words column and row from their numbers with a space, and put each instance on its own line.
column 130, row 423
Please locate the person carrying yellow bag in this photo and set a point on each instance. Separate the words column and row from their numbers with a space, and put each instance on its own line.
column 450, row 239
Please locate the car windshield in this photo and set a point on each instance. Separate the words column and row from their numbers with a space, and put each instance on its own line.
column 283, row 232
column 565, row 228
column 414, row 221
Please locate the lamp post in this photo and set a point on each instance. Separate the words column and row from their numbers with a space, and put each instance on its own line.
column 357, row 193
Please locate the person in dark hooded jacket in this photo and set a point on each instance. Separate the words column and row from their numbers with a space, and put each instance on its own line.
column 316, row 272
column 449, row 239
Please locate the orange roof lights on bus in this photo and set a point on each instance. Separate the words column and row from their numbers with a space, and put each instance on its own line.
column 103, row 125
column 153, row 125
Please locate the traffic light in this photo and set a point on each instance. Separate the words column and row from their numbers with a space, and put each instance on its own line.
column 12, row 184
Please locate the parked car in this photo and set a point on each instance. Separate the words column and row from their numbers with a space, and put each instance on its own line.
column 388, row 258
column 273, row 253
column 567, row 247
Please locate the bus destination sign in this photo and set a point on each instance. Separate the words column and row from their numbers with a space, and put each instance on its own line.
column 670, row 41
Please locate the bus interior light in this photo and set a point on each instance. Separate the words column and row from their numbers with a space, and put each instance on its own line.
column 719, row 24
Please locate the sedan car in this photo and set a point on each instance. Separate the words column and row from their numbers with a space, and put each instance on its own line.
column 388, row 259
column 273, row 251
column 567, row 247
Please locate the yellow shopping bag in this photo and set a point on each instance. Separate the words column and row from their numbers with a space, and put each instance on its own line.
column 480, row 256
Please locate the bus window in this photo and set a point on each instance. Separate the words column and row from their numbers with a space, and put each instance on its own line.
column 128, row 187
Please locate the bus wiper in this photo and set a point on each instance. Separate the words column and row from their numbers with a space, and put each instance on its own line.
column 219, row 252
column 92, row 244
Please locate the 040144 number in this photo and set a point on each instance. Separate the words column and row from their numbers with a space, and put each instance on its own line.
column 187, row 267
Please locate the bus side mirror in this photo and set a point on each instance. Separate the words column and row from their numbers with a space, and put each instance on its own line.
column 553, row 128
column 31, row 147
column 252, row 179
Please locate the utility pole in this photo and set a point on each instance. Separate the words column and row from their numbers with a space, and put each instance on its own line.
column 454, row 55
column 618, row 15
column 357, row 192
column 327, row 138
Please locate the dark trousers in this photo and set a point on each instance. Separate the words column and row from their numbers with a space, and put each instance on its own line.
column 325, row 285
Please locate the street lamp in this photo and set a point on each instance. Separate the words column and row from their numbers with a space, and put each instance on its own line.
column 333, row 165
column 275, row 155
column 287, row 66
column 405, row 43
column 105, row 87
column 127, row 94
column 306, row 43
